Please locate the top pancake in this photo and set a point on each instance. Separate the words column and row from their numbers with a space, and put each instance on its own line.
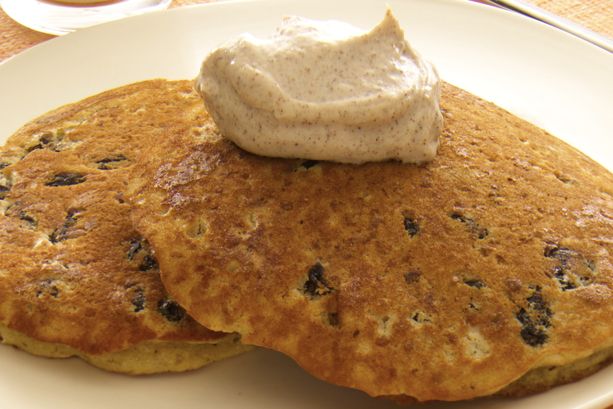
column 73, row 271
column 444, row 281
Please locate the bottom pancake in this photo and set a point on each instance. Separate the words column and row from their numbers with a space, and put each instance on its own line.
column 146, row 358
column 75, row 277
column 546, row 377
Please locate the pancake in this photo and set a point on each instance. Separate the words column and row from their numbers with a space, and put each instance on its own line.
column 75, row 278
column 446, row 281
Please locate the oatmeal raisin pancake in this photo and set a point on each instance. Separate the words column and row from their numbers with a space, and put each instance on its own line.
column 75, row 277
column 487, row 270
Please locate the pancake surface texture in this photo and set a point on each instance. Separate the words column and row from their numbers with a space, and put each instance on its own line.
column 75, row 277
column 445, row 281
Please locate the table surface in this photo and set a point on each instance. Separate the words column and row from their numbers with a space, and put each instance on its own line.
column 597, row 15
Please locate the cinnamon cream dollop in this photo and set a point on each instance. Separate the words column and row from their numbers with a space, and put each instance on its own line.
column 325, row 90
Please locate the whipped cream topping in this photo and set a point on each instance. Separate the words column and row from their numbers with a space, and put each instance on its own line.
column 325, row 90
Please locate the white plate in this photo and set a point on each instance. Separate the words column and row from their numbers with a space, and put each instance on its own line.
column 548, row 77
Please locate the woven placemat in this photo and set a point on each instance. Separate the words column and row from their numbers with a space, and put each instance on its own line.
column 597, row 15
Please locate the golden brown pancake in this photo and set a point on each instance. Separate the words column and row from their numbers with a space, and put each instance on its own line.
column 445, row 281
column 75, row 277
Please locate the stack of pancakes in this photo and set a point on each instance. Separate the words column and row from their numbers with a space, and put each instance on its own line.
column 486, row 271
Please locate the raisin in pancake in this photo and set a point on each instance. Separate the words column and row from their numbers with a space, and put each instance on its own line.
column 445, row 281
column 75, row 278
